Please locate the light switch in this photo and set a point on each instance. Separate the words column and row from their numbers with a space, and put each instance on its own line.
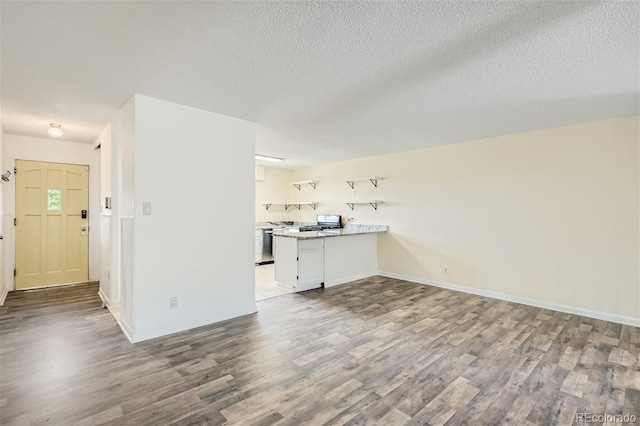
column 146, row 208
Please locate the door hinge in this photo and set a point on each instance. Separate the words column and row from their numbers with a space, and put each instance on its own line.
column 15, row 221
column 297, row 277
column 15, row 170
column 297, row 258
column 15, row 272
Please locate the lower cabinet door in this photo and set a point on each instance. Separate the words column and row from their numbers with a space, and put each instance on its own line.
column 310, row 267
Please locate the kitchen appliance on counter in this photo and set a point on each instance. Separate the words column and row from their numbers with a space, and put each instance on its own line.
column 323, row 221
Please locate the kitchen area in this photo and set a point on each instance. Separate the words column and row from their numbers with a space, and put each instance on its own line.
column 297, row 256
column 266, row 284
column 303, row 245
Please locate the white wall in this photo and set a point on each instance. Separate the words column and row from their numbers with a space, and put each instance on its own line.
column 3, row 284
column 104, row 139
column 56, row 151
column 196, row 168
column 274, row 188
column 549, row 216
column 123, row 171
column 108, row 293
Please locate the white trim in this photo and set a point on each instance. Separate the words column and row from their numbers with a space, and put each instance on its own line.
column 139, row 336
column 126, row 329
column 635, row 322
column 344, row 280
column 105, row 300
column 3, row 296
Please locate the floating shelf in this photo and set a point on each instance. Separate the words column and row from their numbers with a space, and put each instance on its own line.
column 372, row 203
column 297, row 204
column 373, row 179
column 311, row 183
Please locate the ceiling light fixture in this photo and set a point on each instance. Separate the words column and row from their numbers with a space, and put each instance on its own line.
column 55, row 129
column 267, row 158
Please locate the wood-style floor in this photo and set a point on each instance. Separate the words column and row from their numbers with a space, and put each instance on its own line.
column 377, row 351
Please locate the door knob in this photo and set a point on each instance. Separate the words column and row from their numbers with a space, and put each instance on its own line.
column 84, row 228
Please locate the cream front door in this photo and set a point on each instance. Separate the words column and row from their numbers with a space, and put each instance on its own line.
column 52, row 242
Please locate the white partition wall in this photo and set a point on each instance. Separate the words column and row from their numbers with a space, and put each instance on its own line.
column 192, row 249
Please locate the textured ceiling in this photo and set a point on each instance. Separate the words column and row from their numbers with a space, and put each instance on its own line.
column 326, row 81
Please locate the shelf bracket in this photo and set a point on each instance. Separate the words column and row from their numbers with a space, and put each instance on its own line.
column 374, row 205
column 299, row 185
column 350, row 205
column 266, row 206
column 313, row 206
column 373, row 180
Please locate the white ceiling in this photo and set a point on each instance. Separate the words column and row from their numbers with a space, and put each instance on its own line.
column 326, row 81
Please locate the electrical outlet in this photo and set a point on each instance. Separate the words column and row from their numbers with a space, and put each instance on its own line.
column 173, row 302
column 446, row 270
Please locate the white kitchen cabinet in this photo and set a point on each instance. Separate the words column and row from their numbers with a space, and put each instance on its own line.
column 311, row 263
column 300, row 263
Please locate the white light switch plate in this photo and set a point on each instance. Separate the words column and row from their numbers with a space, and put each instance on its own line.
column 146, row 207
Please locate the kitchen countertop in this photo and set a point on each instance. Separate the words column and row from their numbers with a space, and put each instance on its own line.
column 349, row 230
column 270, row 225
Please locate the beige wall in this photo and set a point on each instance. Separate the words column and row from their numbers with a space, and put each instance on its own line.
column 550, row 215
column 274, row 188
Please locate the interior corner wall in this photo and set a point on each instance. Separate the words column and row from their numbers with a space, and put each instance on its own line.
column 196, row 170
column 549, row 215
column 56, row 151
column 274, row 188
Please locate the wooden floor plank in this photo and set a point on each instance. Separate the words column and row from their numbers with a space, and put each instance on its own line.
column 375, row 351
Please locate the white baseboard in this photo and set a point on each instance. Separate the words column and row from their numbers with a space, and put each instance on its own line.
column 635, row 322
column 126, row 330
column 3, row 296
column 105, row 300
column 345, row 280
column 139, row 336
